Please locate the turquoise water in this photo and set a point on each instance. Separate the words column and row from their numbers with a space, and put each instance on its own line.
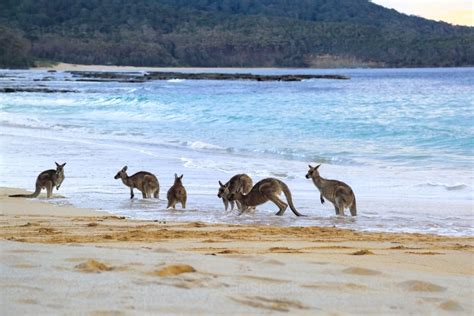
column 402, row 138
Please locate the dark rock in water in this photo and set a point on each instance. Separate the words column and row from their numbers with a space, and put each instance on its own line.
column 37, row 90
column 98, row 76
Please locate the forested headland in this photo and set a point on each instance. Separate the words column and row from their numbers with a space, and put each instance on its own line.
column 226, row 33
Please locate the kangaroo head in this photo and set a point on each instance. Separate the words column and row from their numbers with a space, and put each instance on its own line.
column 223, row 190
column 122, row 174
column 312, row 172
column 178, row 179
column 59, row 168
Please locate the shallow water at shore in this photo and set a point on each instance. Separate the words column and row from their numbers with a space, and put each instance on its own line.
column 401, row 138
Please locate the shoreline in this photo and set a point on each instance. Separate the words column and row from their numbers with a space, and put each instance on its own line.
column 111, row 264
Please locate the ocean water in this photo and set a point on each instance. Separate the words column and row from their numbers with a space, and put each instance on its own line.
column 402, row 138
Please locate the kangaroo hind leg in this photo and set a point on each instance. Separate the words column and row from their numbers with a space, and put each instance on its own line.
column 353, row 208
column 281, row 205
column 339, row 203
column 49, row 189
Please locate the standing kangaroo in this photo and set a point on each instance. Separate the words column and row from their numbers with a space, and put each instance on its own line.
column 239, row 183
column 47, row 179
column 337, row 192
column 268, row 189
column 144, row 181
column 177, row 193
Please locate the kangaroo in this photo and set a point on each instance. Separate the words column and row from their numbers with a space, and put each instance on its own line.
column 268, row 189
column 177, row 193
column 239, row 183
column 47, row 179
column 144, row 181
column 337, row 192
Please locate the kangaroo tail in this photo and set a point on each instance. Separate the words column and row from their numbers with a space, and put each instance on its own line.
column 287, row 193
column 32, row 195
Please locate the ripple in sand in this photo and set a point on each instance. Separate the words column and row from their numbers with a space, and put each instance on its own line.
column 92, row 266
column 263, row 279
column 336, row 286
column 174, row 269
column 451, row 305
column 29, row 301
column 283, row 250
column 361, row 271
column 281, row 305
column 362, row 252
column 421, row 286
column 25, row 266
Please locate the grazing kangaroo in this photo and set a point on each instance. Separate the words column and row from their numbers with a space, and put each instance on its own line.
column 47, row 179
column 144, row 181
column 337, row 192
column 177, row 193
column 239, row 183
column 268, row 189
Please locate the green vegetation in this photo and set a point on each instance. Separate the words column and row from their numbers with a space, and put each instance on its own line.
column 239, row 33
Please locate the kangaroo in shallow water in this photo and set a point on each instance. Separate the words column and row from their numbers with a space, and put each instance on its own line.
column 239, row 183
column 177, row 193
column 144, row 181
column 268, row 189
column 47, row 179
column 337, row 192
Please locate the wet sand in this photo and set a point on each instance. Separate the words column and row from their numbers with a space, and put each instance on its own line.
column 60, row 259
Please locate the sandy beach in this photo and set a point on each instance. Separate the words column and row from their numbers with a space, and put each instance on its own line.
column 65, row 260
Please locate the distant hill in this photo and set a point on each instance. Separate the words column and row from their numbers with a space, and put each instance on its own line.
column 234, row 33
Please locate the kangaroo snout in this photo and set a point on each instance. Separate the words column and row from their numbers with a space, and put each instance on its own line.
column 307, row 176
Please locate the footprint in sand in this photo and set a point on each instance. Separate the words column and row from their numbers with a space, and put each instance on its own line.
column 420, row 286
column 92, row 266
column 361, row 271
column 281, row 305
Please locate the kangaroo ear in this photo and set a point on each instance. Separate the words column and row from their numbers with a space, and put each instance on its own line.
column 124, row 168
column 181, row 177
column 220, row 183
column 175, row 176
column 316, row 168
column 57, row 165
column 63, row 164
column 310, row 167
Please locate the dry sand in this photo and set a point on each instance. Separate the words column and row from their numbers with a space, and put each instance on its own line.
column 64, row 260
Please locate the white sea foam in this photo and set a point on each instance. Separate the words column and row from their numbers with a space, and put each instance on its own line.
column 448, row 187
column 203, row 145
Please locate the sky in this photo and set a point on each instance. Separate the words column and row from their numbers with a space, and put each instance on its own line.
column 460, row 12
